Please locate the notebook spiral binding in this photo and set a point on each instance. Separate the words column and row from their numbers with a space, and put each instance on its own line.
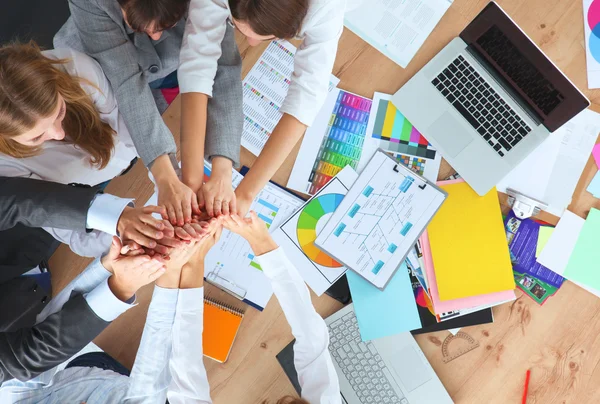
column 224, row 306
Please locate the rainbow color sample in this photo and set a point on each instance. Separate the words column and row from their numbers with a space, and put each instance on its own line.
column 307, row 227
column 397, row 134
column 416, row 164
column 593, row 21
column 343, row 143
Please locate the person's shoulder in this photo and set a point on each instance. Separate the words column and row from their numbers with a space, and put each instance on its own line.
column 75, row 63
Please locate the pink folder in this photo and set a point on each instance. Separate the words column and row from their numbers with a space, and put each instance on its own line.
column 445, row 306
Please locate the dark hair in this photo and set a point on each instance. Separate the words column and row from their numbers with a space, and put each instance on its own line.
column 158, row 14
column 281, row 18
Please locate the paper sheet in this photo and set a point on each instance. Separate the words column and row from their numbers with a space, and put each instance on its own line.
column 593, row 291
column 551, row 172
column 555, row 256
column 396, row 28
column 334, row 141
column 297, row 234
column 380, row 219
column 381, row 314
column 594, row 187
column 230, row 263
column 389, row 130
column 591, row 24
column 467, row 304
column 264, row 90
column 584, row 263
column 543, row 237
column 468, row 244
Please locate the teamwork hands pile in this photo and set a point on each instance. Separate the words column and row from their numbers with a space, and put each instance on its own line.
column 134, row 266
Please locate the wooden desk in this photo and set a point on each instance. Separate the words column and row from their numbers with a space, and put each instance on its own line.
column 556, row 341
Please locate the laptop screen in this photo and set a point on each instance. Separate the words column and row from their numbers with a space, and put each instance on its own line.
column 524, row 67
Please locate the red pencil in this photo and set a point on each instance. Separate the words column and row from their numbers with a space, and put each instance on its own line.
column 524, row 401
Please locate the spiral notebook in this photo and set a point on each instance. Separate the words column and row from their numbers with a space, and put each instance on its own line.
column 221, row 325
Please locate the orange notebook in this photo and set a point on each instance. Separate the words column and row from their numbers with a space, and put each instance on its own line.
column 221, row 325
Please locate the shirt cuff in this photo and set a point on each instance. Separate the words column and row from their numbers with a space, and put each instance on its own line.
column 105, row 304
column 274, row 262
column 105, row 212
column 191, row 300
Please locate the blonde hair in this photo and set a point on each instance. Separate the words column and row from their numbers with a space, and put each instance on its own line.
column 30, row 84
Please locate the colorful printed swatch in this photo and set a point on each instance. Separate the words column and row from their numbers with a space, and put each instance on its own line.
column 307, row 227
column 343, row 143
column 397, row 134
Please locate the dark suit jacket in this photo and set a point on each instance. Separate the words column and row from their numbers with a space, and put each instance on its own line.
column 30, row 351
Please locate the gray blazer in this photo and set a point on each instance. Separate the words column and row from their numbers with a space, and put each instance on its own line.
column 131, row 60
column 36, row 203
column 30, row 351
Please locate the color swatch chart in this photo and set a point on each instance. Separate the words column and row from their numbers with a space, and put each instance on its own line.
column 397, row 134
column 416, row 164
column 344, row 139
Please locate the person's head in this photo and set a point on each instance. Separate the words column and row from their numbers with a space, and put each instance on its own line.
column 39, row 102
column 153, row 16
column 289, row 400
column 264, row 20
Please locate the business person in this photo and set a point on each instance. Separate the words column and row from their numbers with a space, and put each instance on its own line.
column 60, row 122
column 169, row 361
column 77, row 315
column 319, row 23
column 137, row 43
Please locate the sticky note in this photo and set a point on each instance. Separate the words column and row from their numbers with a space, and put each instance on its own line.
column 383, row 313
column 543, row 237
column 555, row 256
column 584, row 264
column 594, row 187
column 596, row 154
column 468, row 244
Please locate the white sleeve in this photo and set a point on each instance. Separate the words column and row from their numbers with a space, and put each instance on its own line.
column 312, row 361
column 105, row 211
column 150, row 376
column 92, row 244
column 313, row 64
column 189, row 380
column 105, row 304
column 201, row 46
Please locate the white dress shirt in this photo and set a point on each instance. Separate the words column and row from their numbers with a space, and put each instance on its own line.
column 62, row 162
column 320, row 33
column 169, row 361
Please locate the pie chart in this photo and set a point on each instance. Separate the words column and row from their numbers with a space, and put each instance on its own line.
column 308, row 221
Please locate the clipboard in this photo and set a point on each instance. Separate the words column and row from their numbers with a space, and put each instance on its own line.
column 380, row 219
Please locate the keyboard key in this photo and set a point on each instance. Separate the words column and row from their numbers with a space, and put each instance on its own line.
column 450, row 98
column 463, row 111
column 523, row 131
column 491, row 143
column 445, row 92
column 497, row 147
column 435, row 81
column 487, row 136
column 500, row 153
column 504, row 144
column 461, row 98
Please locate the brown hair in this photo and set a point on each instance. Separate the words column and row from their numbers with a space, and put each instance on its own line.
column 29, row 87
column 281, row 18
column 289, row 400
column 156, row 14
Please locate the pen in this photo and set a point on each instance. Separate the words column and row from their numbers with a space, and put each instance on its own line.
column 524, row 401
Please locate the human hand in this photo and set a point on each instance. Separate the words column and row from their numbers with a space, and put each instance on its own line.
column 243, row 202
column 216, row 195
column 138, row 225
column 253, row 229
column 129, row 273
column 178, row 199
column 163, row 246
column 192, row 273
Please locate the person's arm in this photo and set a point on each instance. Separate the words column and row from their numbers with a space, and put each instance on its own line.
column 316, row 373
column 281, row 142
column 104, row 40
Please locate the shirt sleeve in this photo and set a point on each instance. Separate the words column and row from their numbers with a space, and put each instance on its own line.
column 201, row 46
column 316, row 374
column 105, row 304
column 189, row 380
column 313, row 63
column 151, row 376
column 105, row 212
column 82, row 243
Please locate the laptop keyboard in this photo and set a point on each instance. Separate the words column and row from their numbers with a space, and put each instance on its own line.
column 361, row 363
column 494, row 120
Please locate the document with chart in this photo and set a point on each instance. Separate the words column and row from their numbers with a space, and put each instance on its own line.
column 380, row 219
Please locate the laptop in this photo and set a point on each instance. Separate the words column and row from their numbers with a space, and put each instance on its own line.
column 386, row 370
column 488, row 99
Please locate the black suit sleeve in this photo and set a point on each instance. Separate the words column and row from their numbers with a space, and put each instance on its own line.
column 37, row 203
column 28, row 352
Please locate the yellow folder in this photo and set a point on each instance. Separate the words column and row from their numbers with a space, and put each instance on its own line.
column 468, row 244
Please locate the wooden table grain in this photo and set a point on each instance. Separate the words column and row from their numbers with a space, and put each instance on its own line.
column 559, row 342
